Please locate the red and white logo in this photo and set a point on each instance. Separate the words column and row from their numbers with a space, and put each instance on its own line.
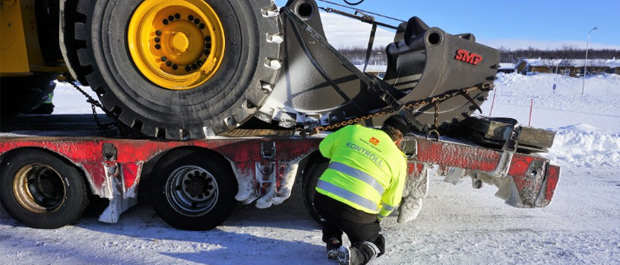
column 374, row 141
column 468, row 57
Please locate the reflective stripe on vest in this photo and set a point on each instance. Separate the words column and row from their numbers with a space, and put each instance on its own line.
column 387, row 207
column 358, row 174
column 350, row 196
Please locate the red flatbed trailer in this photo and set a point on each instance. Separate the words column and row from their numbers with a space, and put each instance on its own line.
column 195, row 184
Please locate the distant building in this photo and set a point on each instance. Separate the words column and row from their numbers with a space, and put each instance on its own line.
column 506, row 68
column 614, row 66
column 572, row 67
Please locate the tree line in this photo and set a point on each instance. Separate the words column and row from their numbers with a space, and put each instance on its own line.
column 565, row 53
column 358, row 55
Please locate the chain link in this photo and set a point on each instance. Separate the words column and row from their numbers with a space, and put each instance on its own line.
column 93, row 104
column 408, row 106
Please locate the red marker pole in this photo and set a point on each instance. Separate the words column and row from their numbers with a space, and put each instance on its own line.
column 492, row 103
column 531, row 108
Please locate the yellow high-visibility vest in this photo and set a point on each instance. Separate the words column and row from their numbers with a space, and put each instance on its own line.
column 367, row 171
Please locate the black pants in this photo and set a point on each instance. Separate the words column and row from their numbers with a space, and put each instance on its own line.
column 358, row 225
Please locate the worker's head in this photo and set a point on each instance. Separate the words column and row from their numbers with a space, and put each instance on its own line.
column 396, row 127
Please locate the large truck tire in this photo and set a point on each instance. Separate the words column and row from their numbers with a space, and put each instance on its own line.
column 25, row 93
column 180, row 69
column 193, row 189
column 310, row 180
column 42, row 190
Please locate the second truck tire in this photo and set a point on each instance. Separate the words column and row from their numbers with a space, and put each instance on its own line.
column 193, row 189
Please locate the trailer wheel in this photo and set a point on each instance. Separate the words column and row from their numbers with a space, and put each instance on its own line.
column 311, row 178
column 42, row 190
column 193, row 190
column 180, row 69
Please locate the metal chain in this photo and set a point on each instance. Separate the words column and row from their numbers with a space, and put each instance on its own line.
column 408, row 106
column 94, row 103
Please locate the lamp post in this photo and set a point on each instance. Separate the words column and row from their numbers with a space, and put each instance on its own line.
column 585, row 67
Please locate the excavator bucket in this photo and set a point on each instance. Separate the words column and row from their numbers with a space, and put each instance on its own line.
column 318, row 86
column 425, row 62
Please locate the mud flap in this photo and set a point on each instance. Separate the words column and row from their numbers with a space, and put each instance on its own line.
column 416, row 188
column 535, row 189
column 528, row 184
column 121, row 181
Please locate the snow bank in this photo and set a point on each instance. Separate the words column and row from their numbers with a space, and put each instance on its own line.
column 582, row 145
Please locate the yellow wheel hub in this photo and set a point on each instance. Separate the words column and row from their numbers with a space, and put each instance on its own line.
column 180, row 43
column 176, row 44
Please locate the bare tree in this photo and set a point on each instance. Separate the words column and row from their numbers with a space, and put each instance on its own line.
column 567, row 54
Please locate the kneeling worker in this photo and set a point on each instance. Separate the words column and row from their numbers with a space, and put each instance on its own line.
column 363, row 184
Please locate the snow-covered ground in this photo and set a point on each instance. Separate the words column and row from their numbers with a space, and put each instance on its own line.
column 457, row 225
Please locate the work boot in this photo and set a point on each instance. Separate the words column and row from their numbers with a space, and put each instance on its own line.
column 348, row 256
column 332, row 247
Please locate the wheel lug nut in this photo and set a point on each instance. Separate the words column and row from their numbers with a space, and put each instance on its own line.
column 190, row 17
column 158, row 32
column 188, row 68
column 177, row 16
column 157, row 46
column 165, row 22
column 194, row 66
column 171, row 18
column 157, row 39
column 163, row 59
column 196, row 21
column 174, row 67
column 201, row 26
column 208, row 38
column 168, row 63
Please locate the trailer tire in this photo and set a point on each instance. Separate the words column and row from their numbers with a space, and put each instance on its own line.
column 311, row 178
column 180, row 69
column 193, row 189
column 42, row 190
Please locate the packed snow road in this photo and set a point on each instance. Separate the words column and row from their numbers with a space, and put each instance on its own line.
column 458, row 225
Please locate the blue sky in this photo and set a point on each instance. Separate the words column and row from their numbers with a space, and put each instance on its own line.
column 544, row 24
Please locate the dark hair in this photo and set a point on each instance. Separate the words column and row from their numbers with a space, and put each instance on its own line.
column 394, row 133
column 396, row 127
